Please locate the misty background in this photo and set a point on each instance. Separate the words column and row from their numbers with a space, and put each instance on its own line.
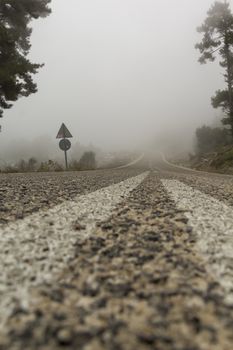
column 121, row 74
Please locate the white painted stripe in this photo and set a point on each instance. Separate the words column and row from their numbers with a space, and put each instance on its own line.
column 35, row 249
column 212, row 221
column 176, row 165
column 191, row 169
column 133, row 162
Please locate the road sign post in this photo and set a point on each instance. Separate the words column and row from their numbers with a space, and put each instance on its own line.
column 64, row 144
column 66, row 160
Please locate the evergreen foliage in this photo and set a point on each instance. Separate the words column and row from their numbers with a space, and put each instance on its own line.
column 210, row 139
column 16, row 70
column 217, row 41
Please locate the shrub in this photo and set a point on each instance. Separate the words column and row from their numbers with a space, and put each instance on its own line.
column 50, row 165
column 87, row 161
column 209, row 139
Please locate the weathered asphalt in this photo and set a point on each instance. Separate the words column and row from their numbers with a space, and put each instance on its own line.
column 26, row 193
column 139, row 281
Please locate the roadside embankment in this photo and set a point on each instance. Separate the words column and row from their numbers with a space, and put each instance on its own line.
column 220, row 161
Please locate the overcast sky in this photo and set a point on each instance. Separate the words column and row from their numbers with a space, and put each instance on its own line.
column 117, row 72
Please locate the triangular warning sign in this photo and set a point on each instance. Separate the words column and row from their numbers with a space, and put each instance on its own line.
column 63, row 133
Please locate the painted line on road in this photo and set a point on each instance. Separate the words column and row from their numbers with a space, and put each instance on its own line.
column 34, row 250
column 178, row 166
column 212, row 222
column 202, row 172
column 132, row 163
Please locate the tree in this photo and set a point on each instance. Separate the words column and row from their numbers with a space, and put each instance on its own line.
column 217, row 32
column 31, row 164
column 209, row 139
column 87, row 161
column 22, row 165
column 16, row 71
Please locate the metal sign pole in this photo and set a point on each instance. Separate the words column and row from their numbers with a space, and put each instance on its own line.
column 66, row 160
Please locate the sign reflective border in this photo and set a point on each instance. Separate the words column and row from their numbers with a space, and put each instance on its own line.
column 65, row 144
column 64, row 133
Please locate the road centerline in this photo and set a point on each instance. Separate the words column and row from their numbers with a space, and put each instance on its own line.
column 212, row 222
column 37, row 248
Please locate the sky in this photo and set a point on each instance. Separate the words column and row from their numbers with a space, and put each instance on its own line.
column 118, row 73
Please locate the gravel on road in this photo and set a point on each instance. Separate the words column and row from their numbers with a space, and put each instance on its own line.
column 212, row 222
column 36, row 249
column 24, row 194
column 139, row 282
column 219, row 187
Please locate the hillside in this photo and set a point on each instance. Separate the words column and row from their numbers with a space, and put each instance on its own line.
column 219, row 161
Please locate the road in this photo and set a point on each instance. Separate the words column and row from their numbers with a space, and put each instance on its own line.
column 124, row 259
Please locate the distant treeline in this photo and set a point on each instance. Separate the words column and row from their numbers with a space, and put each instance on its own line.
column 86, row 162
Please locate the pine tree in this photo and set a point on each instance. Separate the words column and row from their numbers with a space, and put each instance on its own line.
column 217, row 41
column 16, row 70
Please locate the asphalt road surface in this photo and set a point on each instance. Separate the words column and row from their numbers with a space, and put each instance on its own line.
column 133, row 258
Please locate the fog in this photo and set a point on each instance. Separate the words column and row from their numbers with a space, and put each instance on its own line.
column 119, row 73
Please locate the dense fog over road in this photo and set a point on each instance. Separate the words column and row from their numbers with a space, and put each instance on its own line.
column 119, row 73
column 116, row 177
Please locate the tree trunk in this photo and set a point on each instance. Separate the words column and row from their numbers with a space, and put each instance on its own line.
column 229, row 83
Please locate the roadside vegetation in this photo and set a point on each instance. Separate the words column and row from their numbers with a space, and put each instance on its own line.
column 16, row 70
column 86, row 162
column 214, row 145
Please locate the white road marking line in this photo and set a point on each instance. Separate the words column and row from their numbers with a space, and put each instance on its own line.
column 193, row 170
column 178, row 166
column 35, row 249
column 212, row 221
column 132, row 163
